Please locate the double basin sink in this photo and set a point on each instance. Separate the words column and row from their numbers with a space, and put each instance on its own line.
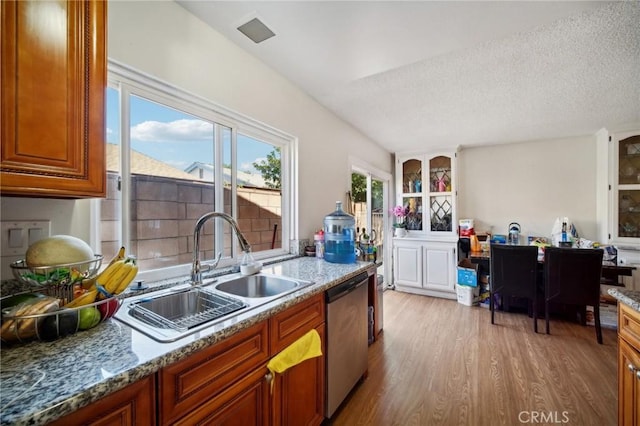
column 173, row 313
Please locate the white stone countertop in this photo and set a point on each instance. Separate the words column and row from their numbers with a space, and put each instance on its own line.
column 628, row 297
column 43, row 381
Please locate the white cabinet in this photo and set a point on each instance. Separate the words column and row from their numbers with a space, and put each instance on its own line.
column 618, row 194
column 424, row 262
column 424, row 267
column 426, row 187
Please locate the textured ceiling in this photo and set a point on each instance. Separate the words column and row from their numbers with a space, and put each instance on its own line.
column 430, row 75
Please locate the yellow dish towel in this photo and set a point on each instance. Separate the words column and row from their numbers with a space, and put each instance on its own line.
column 306, row 347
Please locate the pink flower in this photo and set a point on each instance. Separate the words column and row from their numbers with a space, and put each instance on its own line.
column 399, row 211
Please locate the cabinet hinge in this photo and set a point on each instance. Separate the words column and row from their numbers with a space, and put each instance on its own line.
column 119, row 183
column 609, row 187
column 609, row 236
column 609, row 138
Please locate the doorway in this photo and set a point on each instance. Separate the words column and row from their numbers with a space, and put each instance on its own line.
column 369, row 205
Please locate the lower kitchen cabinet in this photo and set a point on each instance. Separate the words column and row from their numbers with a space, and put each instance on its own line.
column 228, row 383
column 425, row 267
column 245, row 403
column 133, row 405
column 196, row 386
column 298, row 396
column 628, row 366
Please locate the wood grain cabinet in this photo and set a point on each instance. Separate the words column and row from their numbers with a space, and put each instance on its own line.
column 226, row 380
column 228, row 383
column 298, row 396
column 628, row 366
column 132, row 405
column 53, row 79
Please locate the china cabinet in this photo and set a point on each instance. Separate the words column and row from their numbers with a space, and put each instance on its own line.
column 425, row 187
column 626, row 188
column 618, row 196
column 425, row 259
column 53, row 73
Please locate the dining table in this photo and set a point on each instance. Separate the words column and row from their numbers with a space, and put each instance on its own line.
column 611, row 273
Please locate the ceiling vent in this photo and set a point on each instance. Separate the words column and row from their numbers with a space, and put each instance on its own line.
column 256, row 30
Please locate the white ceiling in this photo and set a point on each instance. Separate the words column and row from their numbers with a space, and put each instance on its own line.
column 417, row 75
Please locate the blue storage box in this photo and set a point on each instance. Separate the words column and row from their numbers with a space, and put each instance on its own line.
column 467, row 273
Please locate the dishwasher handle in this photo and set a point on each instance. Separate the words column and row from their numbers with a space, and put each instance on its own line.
column 345, row 287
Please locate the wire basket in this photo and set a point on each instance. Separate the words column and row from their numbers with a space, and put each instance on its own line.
column 57, row 280
column 58, row 323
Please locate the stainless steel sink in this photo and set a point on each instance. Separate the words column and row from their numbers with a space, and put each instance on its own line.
column 170, row 314
column 184, row 310
column 256, row 286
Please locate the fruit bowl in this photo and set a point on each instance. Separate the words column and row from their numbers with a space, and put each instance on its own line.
column 54, row 322
column 56, row 280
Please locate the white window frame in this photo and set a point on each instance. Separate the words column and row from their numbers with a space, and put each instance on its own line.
column 132, row 82
column 359, row 166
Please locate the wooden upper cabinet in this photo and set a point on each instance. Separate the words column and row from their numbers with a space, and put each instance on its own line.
column 53, row 81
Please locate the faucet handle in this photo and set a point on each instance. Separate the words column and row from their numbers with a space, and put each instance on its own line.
column 215, row 264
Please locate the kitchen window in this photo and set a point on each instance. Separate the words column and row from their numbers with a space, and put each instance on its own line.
column 172, row 157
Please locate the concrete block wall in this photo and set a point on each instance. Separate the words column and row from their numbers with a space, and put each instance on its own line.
column 164, row 212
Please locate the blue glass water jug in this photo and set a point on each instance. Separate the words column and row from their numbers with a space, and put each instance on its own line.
column 339, row 236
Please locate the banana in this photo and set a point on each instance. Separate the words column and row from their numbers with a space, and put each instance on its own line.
column 122, row 286
column 90, row 283
column 85, row 299
column 106, row 276
column 119, row 256
column 114, row 282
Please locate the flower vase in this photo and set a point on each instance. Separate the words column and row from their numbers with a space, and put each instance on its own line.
column 400, row 232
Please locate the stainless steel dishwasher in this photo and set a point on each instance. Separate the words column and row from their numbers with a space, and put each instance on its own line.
column 347, row 339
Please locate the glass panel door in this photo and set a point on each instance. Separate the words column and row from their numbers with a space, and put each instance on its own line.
column 629, row 187
column 440, row 194
column 412, row 188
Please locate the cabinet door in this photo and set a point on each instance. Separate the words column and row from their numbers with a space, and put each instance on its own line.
column 246, row 403
column 439, row 267
column 441, row 200
column 133, row 405
column 53, row 74
column 626, row 200
column 298, row 397
column 628, row 384
column 188, row 384
column 407, row 264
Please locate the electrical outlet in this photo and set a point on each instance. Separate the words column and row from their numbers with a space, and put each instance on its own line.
column 17, row 236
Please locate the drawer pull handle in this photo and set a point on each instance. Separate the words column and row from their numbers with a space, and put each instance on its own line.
column 631, row 367
column 638, row 374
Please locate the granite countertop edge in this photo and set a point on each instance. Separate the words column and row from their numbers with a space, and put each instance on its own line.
column 626, row 296
column 35, row 408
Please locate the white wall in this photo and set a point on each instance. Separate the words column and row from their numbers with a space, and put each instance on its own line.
column 164, row 40
column 530, row 183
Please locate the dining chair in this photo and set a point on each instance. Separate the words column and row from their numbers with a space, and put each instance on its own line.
column 572, row 277
column 513, row 272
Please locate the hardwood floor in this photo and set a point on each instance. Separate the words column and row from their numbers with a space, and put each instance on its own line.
column 442, row 363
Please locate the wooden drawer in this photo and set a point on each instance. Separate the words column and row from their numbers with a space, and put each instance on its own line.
column 629, row 324
column 290, row 325
column 189, row 383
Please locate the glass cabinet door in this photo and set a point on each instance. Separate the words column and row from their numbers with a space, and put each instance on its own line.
column 412, row 191
column 628, row 195
column 440, row 194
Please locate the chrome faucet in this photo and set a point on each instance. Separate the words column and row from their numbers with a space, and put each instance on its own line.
column 197, row 268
